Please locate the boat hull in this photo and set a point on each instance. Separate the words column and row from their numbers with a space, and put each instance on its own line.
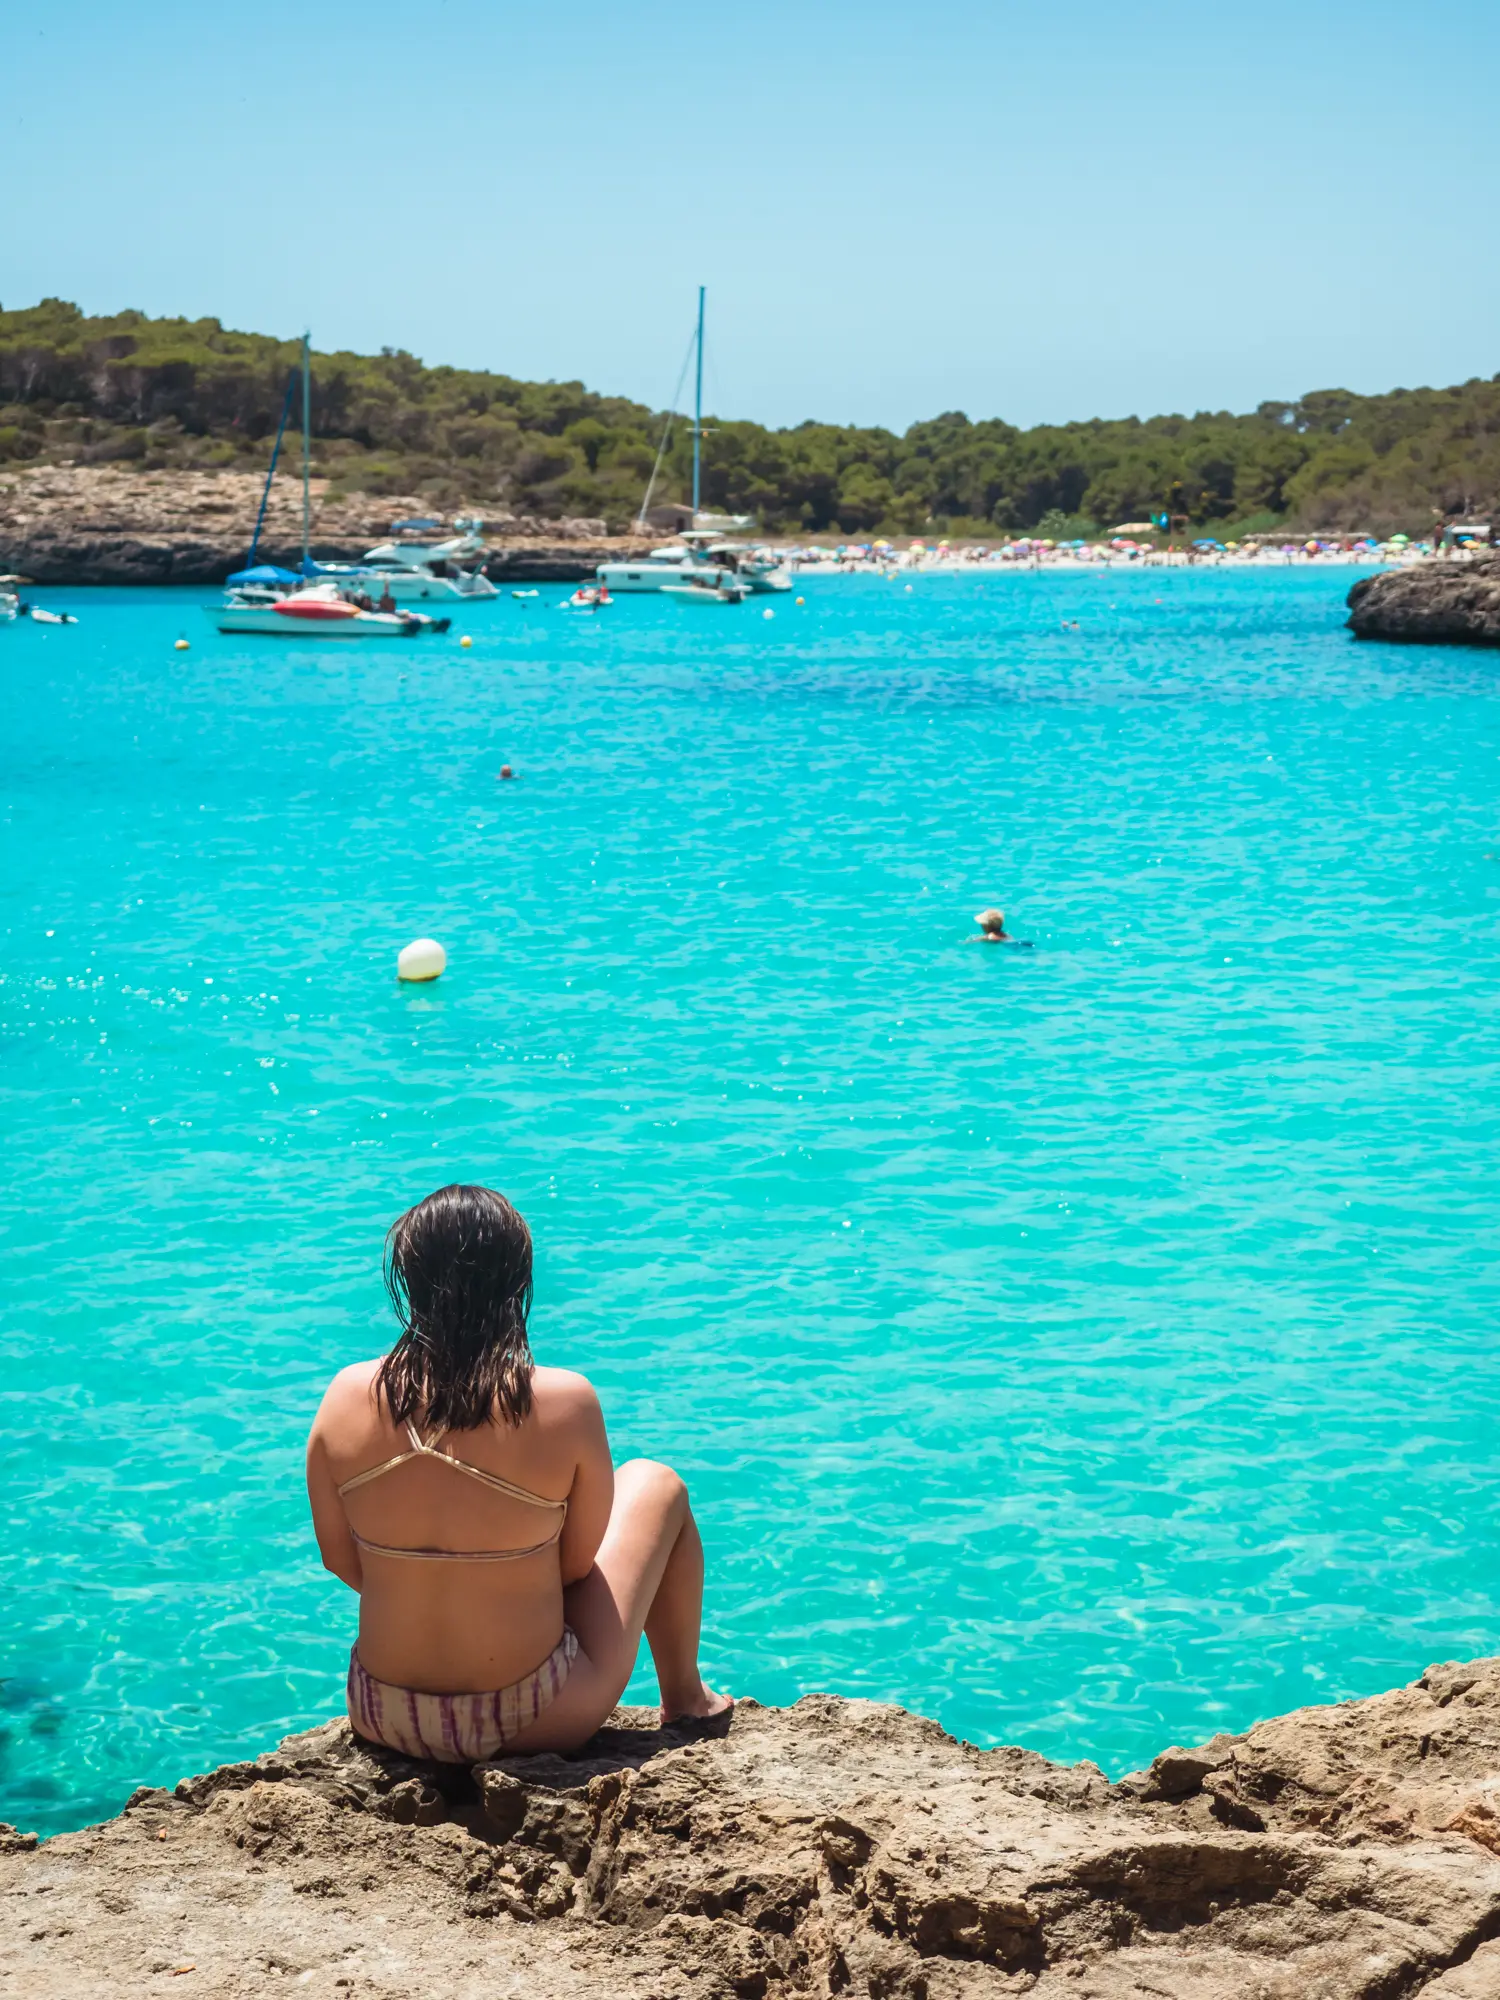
column 696, row 593
column 270, row 624
column 627, row 578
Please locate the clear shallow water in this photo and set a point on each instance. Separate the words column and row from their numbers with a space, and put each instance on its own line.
column 1093, row 1348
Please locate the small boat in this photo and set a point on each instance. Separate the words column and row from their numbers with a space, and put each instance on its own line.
column 525, row 593
column 319, row 611
column 704, row 592
column 10, row 603
column 587, row 597
column 41, row 617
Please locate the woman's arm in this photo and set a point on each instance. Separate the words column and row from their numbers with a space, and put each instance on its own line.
column 593, row 1492
column 336, row 1544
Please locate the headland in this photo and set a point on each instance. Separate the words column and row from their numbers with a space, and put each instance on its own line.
column 1350, row 1852
column 64, row 524
column 1432, row 604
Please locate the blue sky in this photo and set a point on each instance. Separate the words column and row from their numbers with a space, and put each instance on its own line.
column 1036, row 213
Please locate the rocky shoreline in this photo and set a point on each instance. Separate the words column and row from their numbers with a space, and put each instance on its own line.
column 834, row 1848
column 97, row 524
column 1430, row 604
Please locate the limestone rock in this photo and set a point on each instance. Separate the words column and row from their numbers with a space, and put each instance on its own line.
column 1431, row 604
column 837, row 1848
column 67, row 524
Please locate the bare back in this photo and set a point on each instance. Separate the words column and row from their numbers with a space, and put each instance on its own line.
column 486, row 1617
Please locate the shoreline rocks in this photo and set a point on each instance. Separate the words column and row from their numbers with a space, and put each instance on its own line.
column 1430, row 604
column 834, row 1848
column 64, row 524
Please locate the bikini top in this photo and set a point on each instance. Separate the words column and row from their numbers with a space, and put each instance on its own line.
column 429, row 1449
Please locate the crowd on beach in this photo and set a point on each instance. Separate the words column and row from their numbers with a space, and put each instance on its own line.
column 1119, row 550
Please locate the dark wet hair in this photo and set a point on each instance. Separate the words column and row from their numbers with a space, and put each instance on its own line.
column 458, row 1270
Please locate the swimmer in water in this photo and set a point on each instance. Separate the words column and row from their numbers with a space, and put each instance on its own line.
column 992, row 931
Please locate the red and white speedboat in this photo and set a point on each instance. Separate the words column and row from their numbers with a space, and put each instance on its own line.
column 317, row 611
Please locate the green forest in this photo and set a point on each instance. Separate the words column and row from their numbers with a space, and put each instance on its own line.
column 155, row 393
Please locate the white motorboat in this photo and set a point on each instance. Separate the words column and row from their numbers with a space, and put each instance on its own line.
column 696, row 558
column 317, row 611
column 689, row 560
column 762, row 573
column 417, row 572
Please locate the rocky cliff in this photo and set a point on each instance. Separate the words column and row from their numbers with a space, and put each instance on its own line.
column 834, row 1848
column 1432, row 604
column 98, row 524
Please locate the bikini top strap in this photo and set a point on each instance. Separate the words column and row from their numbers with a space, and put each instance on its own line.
column 418, row 1450
column 428, row 1448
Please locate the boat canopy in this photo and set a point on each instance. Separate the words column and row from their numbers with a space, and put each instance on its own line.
column 265, row 573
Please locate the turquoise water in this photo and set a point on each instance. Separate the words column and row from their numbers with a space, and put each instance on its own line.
column 1093, row 1348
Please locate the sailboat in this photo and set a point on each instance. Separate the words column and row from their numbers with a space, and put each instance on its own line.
column 279, row 603
column 700, row 567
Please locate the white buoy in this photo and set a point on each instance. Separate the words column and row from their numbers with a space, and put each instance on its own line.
column 768, row 614
column 466, row 640
column 423, row 958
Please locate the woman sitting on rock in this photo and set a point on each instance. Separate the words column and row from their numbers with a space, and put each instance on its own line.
column 505, row 1569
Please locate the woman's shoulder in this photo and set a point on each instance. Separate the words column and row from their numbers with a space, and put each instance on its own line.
column 357, row 1378
column 351, row 1389
column 559, row 1395
column 564, row 1387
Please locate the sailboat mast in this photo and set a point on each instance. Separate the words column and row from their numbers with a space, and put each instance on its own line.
column 306, row 448
column 698, row 412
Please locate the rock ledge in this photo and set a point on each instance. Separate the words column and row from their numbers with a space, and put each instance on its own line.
column 1434, row 604
column 833, row 1848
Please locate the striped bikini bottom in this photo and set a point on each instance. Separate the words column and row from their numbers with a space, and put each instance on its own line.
column 455, row 1728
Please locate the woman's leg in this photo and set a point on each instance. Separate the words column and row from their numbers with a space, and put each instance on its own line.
column 647, row 1577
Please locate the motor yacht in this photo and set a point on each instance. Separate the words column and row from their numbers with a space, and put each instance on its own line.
column 417, row 572
column 697, row 556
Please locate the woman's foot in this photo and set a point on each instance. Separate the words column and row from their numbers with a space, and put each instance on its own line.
column 701, row 1706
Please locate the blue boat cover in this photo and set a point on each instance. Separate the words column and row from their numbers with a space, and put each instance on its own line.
column 265, row 573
